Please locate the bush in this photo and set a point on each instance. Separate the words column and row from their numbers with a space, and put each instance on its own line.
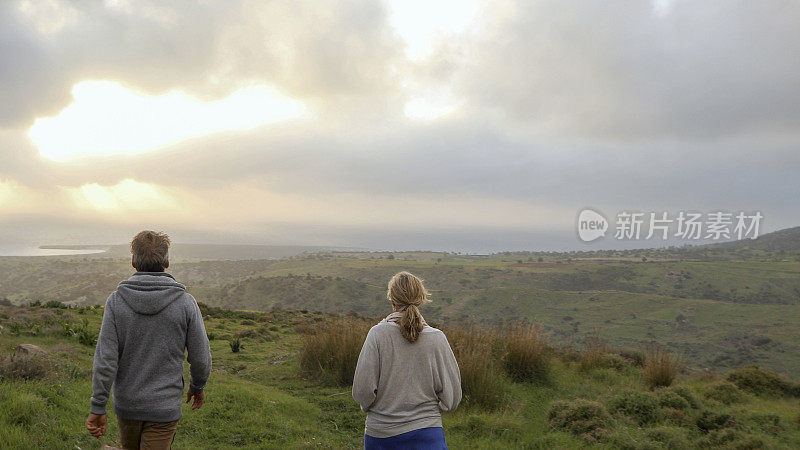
column 87, row 337
column 669, row 437
column 730, row 438
column 236, row 345
column 580, row 417
column 636, row 357
column 482, row 383
column 593, row 352
column 687, row 394
column 640, row 406
column 331, row 354
column 24, row 367
column 670, row 399
column 527, row 356
column 211, row 336
column 614, row 361
column 710, row 421
column 724, row 392
column 55, row 304
column 761, row 381
column 266, row 334
column 660, row 367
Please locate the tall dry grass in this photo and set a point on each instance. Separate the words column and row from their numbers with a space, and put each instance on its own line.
column 660, row 367
column 477, row 354
column 331, row 352
column 527, row 353
column 594, row 350
column 486, row 357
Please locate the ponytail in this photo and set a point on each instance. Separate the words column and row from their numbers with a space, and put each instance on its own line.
column 411, row 324
column 407, row 293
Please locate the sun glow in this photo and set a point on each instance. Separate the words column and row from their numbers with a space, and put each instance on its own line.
column 107, row 118
column 440, row 18
column 126, row 196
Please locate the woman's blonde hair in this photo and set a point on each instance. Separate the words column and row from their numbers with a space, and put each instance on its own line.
column 407, row 293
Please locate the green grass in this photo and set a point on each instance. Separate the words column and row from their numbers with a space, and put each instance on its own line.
column 257, row 398
column 717, row 309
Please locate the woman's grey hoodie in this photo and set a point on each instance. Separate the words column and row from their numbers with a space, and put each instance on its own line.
column 148, row 324
column 404, row 386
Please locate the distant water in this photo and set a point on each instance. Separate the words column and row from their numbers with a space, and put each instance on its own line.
column 36, row 251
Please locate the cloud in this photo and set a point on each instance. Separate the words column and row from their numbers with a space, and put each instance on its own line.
column 509, row 118
column 338, row 55
column 622, row 70
column 107, row 119
column 126, row 198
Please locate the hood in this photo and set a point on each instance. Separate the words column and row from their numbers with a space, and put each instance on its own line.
column 397, row 317
column 150, row 292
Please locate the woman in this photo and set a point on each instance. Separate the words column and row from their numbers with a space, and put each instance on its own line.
column 406, row 374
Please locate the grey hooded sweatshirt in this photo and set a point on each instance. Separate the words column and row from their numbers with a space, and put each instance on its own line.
column 148, row 324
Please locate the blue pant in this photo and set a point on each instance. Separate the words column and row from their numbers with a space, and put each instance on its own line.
column 422, row 439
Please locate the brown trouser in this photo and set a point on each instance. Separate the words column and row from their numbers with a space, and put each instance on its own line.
column 136, row 435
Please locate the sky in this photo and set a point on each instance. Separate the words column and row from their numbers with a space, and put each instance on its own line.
column 459, row 125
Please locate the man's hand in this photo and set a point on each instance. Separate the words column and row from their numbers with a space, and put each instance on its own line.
column 96, row 424
column 199, row 399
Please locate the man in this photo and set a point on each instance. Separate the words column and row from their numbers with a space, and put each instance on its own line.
column 148, row 323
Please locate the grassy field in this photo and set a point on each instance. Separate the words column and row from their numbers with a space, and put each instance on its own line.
column 259, row 398
column 718, row 312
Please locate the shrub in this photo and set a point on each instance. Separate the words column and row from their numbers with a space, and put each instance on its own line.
column 482, row 383
column 332, row 352
column 636, row 357
column 614, row 361
column 249, row 333
column 640, row 406
column 211, row 336
column 15, row 328
column 670, row 399
column 87, row 337
column 527, row 354
column 678, row 417
column 236, row 345
column 669, row 437
column 593, row 352
column 660, row 367
column 267, row 335
column 55, row 304
column 580, row 417
column 24, row 367
column 724, row 392
column 710, row 421
column 761, row 381
column 687, row 394
column 730, row 438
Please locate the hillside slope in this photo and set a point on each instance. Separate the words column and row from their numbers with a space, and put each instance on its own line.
column 258, row 398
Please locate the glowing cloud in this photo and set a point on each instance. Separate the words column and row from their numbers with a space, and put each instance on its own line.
column 107, row 118
column 430, row 108
column 421, row 22
column 126, row 196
